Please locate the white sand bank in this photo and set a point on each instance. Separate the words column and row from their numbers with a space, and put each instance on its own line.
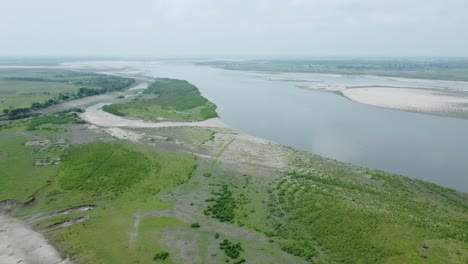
column 441, row 102
column 95, row 115
column 20, row 244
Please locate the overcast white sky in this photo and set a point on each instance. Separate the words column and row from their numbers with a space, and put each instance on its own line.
column 165, row 28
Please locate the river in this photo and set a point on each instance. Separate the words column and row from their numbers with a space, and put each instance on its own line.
column 422, row 146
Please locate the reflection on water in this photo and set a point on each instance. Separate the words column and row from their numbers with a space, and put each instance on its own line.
column 421, row 146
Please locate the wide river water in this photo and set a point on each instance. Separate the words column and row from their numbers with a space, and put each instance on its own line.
column 421, row 146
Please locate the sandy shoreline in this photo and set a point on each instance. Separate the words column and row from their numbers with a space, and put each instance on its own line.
column 435, row 97
column 21, row 244
column 96, row 116
column 430, row 101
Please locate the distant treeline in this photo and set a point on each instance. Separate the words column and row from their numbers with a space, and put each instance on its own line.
column 100, row 84
column 31, row 79
column 440, row 69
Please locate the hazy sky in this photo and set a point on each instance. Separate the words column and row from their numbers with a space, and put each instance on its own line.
column 165, row 28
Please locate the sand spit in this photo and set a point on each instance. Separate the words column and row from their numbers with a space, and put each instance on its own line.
column 20, row 244
column 95, row 115
column 452, row 103
column 435, row 97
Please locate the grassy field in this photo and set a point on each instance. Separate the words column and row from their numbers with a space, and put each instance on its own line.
column 38, row 88
column 438, row 69
column 334, row 215
column 30, row 153
column 122, row 178
column 327, row 212
column 166, row 99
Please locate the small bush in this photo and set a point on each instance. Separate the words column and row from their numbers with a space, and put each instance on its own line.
column 163, row 255
column 232, row 250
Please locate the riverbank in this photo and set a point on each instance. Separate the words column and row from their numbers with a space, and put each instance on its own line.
column 324, row 123
column 449, row 103
column 433, row 97
column 21, row 244
column 95, row 115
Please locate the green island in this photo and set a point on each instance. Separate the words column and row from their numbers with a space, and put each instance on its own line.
column 203, row 195
column 166, row 99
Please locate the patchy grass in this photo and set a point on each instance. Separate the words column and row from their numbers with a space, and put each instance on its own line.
column 122, row 179
column 338, row 215
column 19, row 178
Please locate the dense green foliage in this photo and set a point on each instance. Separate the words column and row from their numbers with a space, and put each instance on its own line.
column 232, row 250
column 443, row 69
column 167, row 99
column 104, row 167
column 163, row 255
column 66, row 117
column 178, row 94
column 223, row 205
column 195, row 225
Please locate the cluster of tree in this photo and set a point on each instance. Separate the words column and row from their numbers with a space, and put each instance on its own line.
column 17, row 113
column 231, row 250
column 224, row 205
column 65, row 117
column 31, row 79
column 163, row 255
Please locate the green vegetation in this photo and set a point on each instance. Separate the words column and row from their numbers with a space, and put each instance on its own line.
column 19, row 177
column 351, row 219
column 232, row 250
column 122, row 179
column 30, row 153
column 102, row 168
column 23, row 91
column 167, row 99
column 61, row 118
column 224, row 205
column 163, row 255
column 195, row 225
column 440, row 69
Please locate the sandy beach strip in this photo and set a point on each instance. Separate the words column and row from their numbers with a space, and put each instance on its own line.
column 432, row 101
column 96, row 116
column 20, row 244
